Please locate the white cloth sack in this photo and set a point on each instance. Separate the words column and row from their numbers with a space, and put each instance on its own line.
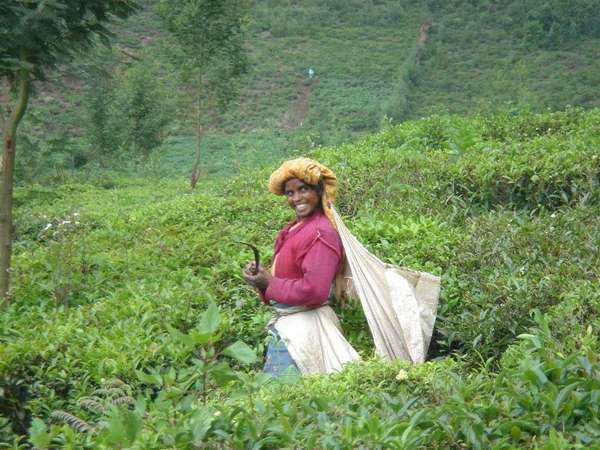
column 400, row 304
column 314, row 339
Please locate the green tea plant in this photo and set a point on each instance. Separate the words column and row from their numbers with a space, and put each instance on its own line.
column 119, row 418
column 113, row 394
column 481, row 56
column 542, row 395
column 34, row 40
column 160, row 255
column 68, row 263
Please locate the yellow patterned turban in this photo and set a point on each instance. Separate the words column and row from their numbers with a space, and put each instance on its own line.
column 311, row 172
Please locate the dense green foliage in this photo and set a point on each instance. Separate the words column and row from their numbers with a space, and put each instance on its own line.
column 131, row 326
column 541, row 22
column 476, row 56
column 37, row 35
column 481, row 54
column 263, row 118
column 211, row 37
column 114, row 278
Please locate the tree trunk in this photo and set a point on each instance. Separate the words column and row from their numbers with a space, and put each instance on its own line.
column 199, row 135
column 6, row 183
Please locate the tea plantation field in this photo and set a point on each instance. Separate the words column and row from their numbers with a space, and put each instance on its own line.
column 130, row 326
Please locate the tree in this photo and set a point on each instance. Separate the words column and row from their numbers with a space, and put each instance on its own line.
column 35, row 36
column 210, row 33
column 142, row 104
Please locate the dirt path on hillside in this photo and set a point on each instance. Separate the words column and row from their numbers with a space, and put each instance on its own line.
column 422, row 39
column 294, row 118
column 424, row 31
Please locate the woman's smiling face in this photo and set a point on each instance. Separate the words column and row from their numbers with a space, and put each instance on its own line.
column 302, row 197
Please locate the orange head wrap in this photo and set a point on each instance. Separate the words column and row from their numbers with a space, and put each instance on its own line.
column 311, row 172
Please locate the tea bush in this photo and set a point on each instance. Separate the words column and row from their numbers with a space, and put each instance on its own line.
column 500, row 243
column 115, row 295
column 539, row 398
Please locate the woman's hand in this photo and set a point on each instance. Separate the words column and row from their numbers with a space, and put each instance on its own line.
column 262, row 278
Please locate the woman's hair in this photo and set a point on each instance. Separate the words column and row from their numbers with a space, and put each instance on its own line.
column 318, row 187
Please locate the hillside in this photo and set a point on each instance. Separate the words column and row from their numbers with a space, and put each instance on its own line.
column 370, row 59
column 115, row 278
column 480, row 54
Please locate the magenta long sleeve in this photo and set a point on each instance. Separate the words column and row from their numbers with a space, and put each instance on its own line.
column 319, row 267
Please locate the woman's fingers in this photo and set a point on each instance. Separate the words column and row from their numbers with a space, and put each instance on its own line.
column 262, row 271
column 250, row 279
column 258, row 278
column 248, row 269
column 249, row 273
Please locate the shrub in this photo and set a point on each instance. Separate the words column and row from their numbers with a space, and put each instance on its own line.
column 148, row 257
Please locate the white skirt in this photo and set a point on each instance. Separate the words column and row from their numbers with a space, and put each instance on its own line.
column 314, row 339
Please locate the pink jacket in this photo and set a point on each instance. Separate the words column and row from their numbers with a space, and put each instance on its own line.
column 306, row 260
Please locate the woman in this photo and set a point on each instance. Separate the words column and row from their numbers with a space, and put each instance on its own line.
column 308, row 254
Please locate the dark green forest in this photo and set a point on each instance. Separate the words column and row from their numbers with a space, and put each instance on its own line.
column 465, row 135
